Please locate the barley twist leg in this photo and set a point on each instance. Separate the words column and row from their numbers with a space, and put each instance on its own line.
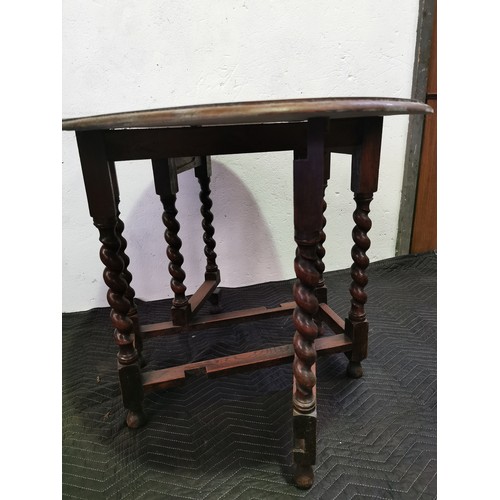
column 356, row 325
column 130, row 293
column 180, row 303
column 208, row 228
column 304, row 397
column 321, row 290
column 129, row 371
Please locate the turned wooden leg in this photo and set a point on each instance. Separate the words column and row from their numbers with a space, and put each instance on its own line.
column 166, row 185
column 364, row 180
column 102, row 196
column 321, row 290
column 128, row 357
column 356, row 324
column 309, row 178
column 203, row 173
column 304, row 396
column 127, row 275
column 180, row 306
column 130, row 292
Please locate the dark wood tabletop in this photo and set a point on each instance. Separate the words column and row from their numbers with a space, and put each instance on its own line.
column 250, row 112
column 312, row 129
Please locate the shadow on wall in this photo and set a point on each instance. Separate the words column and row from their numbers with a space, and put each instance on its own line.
column 245, row 249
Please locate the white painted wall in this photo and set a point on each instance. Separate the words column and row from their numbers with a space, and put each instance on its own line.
column 125, row 55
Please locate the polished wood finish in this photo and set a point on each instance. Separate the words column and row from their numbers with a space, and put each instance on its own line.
column 166, row 185
column 249, row 112
column 102, row 197
column 214, row 320
column 309, row 181
column 126, row 274
column 356, row 323
column 358, row 252
column 203, row 293
column 176, row 375
column 333, row 320
column 182, row 139
column 203, row 173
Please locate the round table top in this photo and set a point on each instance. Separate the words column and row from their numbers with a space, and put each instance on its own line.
column 250, row 112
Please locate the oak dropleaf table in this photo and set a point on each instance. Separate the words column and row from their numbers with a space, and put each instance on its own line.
column 182, row 139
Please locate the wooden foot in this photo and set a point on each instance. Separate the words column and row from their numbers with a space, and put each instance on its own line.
column 132, row 394
column 354, row 369
column 304, row 476
column 214, row 300
column 135, row 419
column 304, row 450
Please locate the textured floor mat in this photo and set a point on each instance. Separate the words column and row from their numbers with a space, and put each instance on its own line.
column 231, row 437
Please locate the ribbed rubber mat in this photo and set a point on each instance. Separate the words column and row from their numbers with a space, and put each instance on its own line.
column 231, row 437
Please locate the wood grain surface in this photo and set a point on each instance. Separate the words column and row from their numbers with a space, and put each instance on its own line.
column 250, row 112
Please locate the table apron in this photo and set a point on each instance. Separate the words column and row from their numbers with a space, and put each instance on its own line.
column 344, row 135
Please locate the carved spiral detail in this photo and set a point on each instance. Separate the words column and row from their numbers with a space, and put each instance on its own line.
column 120, row 305
column 321, row 252
column 358, row 253
column 208, row 218
column 320, row 266
column 306, row 328
column 130, row 293
column 173, row 250
column 127, row 275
